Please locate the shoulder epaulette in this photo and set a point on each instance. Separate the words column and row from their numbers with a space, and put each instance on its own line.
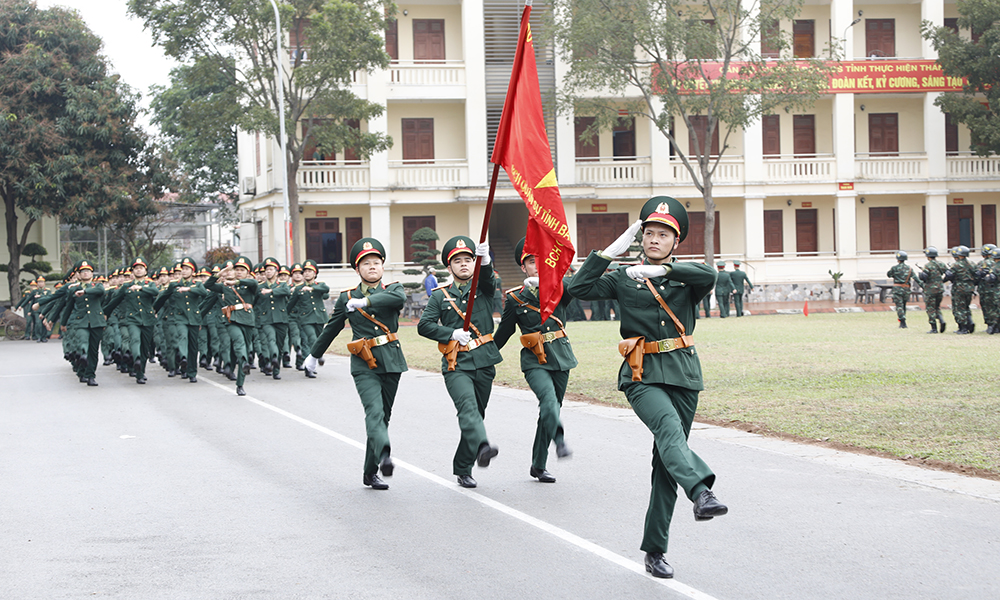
column 512, row 290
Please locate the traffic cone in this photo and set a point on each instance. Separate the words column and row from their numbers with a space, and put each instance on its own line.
column 805, row 309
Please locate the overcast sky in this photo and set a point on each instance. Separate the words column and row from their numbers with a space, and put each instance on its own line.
column 128, row 46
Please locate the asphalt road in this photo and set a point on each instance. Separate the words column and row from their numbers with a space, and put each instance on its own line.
column 180, row 490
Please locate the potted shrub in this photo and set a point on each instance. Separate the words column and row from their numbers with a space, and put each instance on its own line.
column 836, row 284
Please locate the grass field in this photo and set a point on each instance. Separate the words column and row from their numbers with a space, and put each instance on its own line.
column 853, row 379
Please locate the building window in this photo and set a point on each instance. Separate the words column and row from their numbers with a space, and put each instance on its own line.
column 587, row 148
column 774, row 234
column 772, row 135
column 410, row 226
column 623, row 140
column 351, row 154
column 883, row 228
column 699, row 127
column 694, row 243
column 989, row 223
column 804, row 38
column 883, row 134
column 428, row 39
column 880, row 37
column 950, row 135
column 323, row 241
column 596, row 231
column 769, row 39
column 952, row 24
column 311, row 152
column 961, row 226
column 806, row 231
column 418, row 140
column 392, row 39
column 804, row 135
column 353, row 227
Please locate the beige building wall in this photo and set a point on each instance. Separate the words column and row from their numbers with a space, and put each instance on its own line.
column 452, row 16
column 449, row 127
column 910, row 109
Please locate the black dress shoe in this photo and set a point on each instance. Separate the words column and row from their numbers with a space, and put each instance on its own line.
column 706, row 506
column 171, row 373
column 563, row 451
column 542, row 475
column 486, row 454
column 91, row 382
column 276, row 375
column 193, row 379
column 375, row 482
column 310, row 374
column 231, row 376
column 141, row 380
column 385, row 465
column 466, row 481
column 657, row 565
column 239, row 391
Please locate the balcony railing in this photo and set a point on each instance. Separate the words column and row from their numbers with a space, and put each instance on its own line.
column 970, row 166
column 730, row 170
column 614, row 171
column 816, row 167
column 434, row 174
column 319, row 174
column 444, row 72
column 905, row 165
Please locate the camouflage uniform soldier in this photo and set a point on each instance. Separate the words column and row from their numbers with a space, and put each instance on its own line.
column 901, row 275
column 932, row 277
column 963, row 283
column 991, row 280
column 989, row 290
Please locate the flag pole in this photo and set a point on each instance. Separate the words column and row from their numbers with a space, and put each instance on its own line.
column 482, row 238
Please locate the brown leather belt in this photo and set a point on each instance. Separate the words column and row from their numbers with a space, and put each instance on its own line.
column 668, row 345
column 382, row 340
column 901, row 285
column 476, row 343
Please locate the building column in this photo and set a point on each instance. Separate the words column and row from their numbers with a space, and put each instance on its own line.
column 843, row 136
column 477, row 212
column 474, row 56
column 380, row 225
column 378, row 164
column 842, row 14
column 753, row 153
column 936, row 207
column 934, row 138
column 933, row 11
column 753, row 219
column 847, row 224
column 659, row 150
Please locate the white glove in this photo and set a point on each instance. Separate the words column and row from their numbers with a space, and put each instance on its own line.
column 643, row 272
column 461, row 336
column 531, row 282
column 621, row 245
column 311, row 364
column 356, row 303
column 484, row 251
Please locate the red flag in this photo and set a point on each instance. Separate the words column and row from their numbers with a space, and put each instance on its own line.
column 522, row 149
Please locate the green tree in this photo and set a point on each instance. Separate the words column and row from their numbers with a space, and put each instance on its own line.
column 69, row 147
column 977, row 106
column 196, row 116
column 667, row 59
column 330, row 40
column 425, row 256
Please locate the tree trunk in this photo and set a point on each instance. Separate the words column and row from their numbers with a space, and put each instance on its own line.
column 14, row 245
column 709, row 219
column 298, row 254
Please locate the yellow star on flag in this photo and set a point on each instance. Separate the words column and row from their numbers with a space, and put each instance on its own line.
column 548, row 181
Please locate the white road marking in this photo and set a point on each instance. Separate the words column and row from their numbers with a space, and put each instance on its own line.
column 579, row 542
column 33, row 374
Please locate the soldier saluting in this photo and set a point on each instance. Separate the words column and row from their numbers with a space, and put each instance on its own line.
column 237, row 290
column 469, row 360
column 546, row 359
column 376, row 357
column 661, row 375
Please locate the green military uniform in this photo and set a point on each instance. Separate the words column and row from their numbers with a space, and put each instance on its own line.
column 136, row 301
column 739, row 280
column 723, row 289
column 963, row 278
column 84, row 314
column 240, row 323
column 547, row 380
column 182, row 301
column 471, row 381
column 308, row 309
column 665, row 396
column 901, row 275
column 374, row 316
column 932, row 277
column 271, row 310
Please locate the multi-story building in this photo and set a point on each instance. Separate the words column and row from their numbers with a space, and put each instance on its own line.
column 872, row 168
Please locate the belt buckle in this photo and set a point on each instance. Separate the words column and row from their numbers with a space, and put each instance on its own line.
column 666, row 345
column 473, row 344
column 381, row 340
column 548, row 336
column 237, row 307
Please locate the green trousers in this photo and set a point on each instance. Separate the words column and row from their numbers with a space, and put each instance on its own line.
column 933, row 302
column 470, row 391
column 141, row 346
column 240, row 336
column 273, row 340
column 549, row 387
column 377, row 392
column 723, row 301
column 668, row 412
column 93, row 337
column 738, row 303
column 308, row 332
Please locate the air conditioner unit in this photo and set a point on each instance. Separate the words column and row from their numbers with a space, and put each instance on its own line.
column 249, row 186
column 246, row 215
